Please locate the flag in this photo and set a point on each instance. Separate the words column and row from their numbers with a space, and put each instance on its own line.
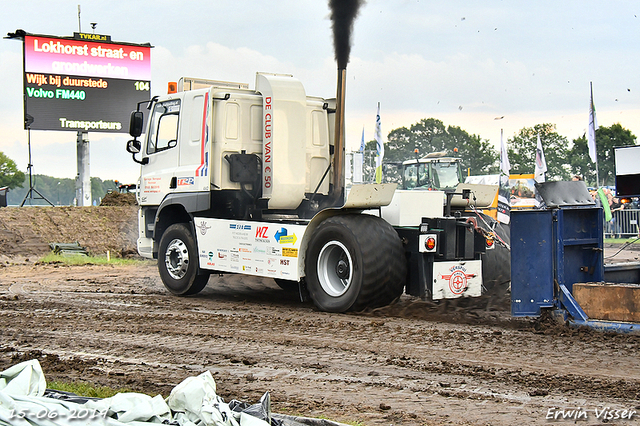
column 379, row 147
column 541, row 164
column 505, row 167
column 504, row 200
column 362, row 142
column 593, row 126
column 605, row 205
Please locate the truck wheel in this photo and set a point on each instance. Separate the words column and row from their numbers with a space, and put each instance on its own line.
column 354, row 262
column 178, row 262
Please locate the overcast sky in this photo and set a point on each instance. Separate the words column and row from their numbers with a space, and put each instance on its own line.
column 463, row 62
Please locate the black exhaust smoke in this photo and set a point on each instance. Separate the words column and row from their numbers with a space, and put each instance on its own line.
column 343, row 15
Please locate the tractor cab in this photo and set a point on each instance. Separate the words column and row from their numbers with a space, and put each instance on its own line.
column 435, row 171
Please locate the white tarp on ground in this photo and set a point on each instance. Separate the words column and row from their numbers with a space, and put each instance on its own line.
column 193, row 402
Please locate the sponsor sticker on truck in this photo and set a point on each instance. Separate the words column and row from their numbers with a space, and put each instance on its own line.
column 253, row 248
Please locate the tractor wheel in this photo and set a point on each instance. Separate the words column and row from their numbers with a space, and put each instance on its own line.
column 354, row 262
column 178, row 262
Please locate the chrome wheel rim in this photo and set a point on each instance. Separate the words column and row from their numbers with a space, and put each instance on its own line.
column 176, row 259
column 335, row 268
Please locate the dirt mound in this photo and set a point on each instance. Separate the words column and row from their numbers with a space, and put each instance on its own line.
column 119, row 199
column 27, row 231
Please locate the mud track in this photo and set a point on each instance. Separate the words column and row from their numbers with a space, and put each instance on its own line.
column 412, row 363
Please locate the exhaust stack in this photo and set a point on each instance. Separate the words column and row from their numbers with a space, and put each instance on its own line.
column 339, row 143
column 343, row 14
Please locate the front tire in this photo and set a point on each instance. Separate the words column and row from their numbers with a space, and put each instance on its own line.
column 354, row 262
column 178, row 262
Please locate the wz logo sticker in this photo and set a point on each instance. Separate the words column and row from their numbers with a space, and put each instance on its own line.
column 261, row 234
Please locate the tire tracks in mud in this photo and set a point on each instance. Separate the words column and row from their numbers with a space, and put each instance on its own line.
column 254, row 338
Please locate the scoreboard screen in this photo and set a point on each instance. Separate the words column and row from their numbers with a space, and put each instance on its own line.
column 85, row 83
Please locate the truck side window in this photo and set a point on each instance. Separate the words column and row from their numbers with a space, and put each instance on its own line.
column 164, row 126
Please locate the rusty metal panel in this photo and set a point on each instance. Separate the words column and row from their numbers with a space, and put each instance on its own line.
column 612, row 302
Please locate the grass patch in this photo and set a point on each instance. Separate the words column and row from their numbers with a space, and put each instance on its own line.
column 631, row 240
column 88, row 260
column 86, row 389
column 289, row 412
column 349, row 422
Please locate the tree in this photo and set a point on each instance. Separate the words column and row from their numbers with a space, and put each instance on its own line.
column 477, row 155
column 9, row 174
column 522, row 151
column 580, row 161
column 60, row 191
column 431, row 135
column 606, row 139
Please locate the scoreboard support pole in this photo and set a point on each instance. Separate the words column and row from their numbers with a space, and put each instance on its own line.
column 83, row 178
column 32, row 187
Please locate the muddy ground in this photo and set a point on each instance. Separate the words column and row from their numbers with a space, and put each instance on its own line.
column 412, row 363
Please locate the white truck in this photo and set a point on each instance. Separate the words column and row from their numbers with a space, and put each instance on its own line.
column 251, row 181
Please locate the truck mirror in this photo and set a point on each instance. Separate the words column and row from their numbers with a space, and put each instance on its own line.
column 136, row 122
column 133, row 146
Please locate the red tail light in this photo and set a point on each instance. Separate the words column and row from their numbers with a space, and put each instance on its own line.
column 430, row 243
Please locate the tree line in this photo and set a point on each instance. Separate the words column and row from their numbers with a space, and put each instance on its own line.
column 59, row 191
column 479, row 157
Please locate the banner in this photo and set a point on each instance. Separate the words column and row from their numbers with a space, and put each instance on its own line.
column 541, row 163
column 593, row 126
column 504, row 198
column 358, row 160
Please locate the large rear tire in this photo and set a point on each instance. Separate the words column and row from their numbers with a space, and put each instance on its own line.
column 354, row 262
column 178, row 262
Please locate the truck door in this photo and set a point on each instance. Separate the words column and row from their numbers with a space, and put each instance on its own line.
column 193, row 161
column 158, row 175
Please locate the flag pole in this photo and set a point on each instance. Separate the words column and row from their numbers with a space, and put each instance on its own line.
column 592, row 125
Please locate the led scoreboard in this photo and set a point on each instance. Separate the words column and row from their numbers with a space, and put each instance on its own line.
column 85, row 83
